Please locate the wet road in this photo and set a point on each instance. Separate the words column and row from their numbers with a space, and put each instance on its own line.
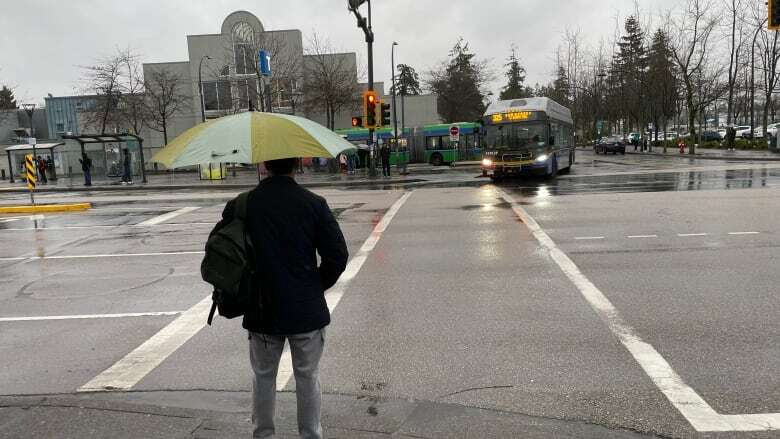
column 458, row 301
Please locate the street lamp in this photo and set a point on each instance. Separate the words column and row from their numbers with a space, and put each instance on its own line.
column 200, row 88
column 30, row 109
column 395, row 112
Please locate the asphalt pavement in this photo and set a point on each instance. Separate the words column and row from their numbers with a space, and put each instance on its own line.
column 633, row 297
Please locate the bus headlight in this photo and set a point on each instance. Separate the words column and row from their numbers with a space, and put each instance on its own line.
column 487, row 163
column 542, row 158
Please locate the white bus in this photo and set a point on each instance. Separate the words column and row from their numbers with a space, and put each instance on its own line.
column 527, row 136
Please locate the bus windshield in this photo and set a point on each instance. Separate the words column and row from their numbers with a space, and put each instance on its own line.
column 516, row 136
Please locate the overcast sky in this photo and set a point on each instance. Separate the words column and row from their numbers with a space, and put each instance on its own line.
column 43, row 42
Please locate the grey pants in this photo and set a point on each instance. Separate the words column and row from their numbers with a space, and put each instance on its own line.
column 264, row 354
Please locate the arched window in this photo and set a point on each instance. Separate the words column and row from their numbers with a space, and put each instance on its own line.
column 243, row 48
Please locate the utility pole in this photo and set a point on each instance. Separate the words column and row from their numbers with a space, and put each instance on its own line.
column 369, row 33
column 200, row 88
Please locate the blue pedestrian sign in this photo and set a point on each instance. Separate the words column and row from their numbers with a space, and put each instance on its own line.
column 264, row 62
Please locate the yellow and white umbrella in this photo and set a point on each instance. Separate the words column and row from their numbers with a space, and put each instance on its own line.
column 251, row 137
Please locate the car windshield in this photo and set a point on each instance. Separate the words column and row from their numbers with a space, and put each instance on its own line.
column 516, row 136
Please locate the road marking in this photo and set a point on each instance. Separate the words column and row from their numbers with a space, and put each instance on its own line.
column 118, row 255
column 167, row 216
column 108, row 226
column 9, row 220
column 686, row 235
column 744, row 233
column 692, row 406
column 588, row 238
column 641, row 236
column 131, row 369
column 128, row 371
column 334, row 295
column 89, row 316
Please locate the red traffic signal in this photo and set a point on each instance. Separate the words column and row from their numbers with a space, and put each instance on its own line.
column 369, row 110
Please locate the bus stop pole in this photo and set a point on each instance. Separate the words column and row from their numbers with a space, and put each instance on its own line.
column 10, row 167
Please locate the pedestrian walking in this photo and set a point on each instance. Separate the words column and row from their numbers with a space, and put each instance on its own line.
column 127, row 175
column 86, row 167
column 384, row 152
column 731, row 137
column 288, row 227
column 42, row 170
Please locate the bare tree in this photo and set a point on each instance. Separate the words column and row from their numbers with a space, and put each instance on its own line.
column 691, row 32
column 132, row 111
column 103, row 80
column 736, row 39
column 330, row 83
column 164, row 97
column 769, row 55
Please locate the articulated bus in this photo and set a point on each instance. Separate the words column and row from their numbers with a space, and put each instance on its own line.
column 359, row 136
column 440, row 150
column 527, row 136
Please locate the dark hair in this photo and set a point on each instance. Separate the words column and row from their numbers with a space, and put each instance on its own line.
column 281, row 166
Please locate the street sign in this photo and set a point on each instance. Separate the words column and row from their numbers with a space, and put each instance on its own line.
column 264, row 62
column 454, row 133
column 32, row 141
column 29, row 166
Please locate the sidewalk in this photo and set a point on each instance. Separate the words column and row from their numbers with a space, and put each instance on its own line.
column 220, row 414
column 713, row 154
column 189, row 180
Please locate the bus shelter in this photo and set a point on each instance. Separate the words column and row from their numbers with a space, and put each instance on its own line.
column 26, row 148
column 103, row 139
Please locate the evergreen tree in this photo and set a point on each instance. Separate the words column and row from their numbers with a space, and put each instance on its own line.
column 661, row 73
column 630, row 69
column 458, row 83
column 407, row 81
column 558, row 90
column 515, row 74
column 7, row 101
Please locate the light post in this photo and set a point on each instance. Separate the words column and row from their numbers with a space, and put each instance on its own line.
column 369, row 33
column 30, row 110
column 200, row 88
column 395, row 111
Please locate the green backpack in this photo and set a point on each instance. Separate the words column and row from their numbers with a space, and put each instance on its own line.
column 229, row 265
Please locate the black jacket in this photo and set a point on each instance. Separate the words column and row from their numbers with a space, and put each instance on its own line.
column 289, row 225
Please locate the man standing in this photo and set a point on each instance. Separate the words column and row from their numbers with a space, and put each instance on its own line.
column 42, row 165
column 86, row 167
column 384, row 152
column 289, row 226
column 127, row 175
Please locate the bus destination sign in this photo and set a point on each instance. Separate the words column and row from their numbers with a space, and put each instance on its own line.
column 511, row 116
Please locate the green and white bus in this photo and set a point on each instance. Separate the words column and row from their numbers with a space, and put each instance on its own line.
column 440, row 150
column 527, row 136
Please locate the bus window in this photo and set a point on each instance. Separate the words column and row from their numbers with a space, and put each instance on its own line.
column 431, row 143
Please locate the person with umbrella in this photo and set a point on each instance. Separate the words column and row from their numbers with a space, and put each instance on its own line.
column 289, row 227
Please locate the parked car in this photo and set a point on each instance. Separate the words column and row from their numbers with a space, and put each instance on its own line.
column 758, row 133
column 710, row 136
column 613, row 144
column 743, row 131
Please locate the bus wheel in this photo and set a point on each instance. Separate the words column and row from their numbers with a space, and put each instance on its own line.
column 437, row 160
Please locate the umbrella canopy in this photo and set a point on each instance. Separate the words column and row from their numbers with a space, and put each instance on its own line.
column 251, row 137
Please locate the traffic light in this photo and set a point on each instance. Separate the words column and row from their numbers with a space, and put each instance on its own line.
column 369, row 104
column 773, row 22
column 357, row 122
column 385, row 114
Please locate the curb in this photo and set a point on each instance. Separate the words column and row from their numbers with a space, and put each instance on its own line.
column 708, row 157
column 42, row 208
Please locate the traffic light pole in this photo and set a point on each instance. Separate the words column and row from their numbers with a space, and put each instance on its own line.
column 367, row 30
